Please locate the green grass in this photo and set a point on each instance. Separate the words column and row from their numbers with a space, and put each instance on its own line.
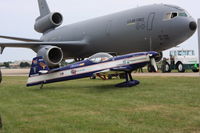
column 157, row 105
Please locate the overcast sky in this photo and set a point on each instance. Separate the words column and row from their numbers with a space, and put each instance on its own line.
column 18, row 18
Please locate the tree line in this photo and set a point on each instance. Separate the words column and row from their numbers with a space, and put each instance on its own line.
column 21, row 65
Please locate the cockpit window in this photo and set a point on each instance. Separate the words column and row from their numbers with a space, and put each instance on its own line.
column 169, row 16
column 174, row 14
column 184, row 14
column 100, row 57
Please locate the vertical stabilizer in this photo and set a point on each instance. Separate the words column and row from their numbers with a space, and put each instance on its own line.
column 44, row 8
column 38, row 67
column 47, row 20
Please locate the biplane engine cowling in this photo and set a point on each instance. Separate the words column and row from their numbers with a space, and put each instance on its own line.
column 53, row 55
column 48, row 22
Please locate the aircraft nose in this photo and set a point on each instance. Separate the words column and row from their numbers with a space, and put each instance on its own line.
column 193, row 26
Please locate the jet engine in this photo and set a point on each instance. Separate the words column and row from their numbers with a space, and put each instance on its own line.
column 53, row 55
column 50, row 21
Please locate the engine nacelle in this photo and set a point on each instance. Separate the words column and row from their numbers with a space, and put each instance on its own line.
column 53, row 55
column 48, row 22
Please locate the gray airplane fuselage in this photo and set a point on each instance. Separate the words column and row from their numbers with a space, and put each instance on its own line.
column 144, row 28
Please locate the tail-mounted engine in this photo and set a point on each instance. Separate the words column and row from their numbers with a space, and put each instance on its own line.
column 53, row 55
column 48, row 22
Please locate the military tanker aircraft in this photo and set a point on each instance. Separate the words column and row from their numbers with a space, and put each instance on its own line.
column 99, row 64
column 148, row 28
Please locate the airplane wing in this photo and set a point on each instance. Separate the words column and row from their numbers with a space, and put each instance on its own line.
column 116, row 70
column 20, row 39
column 121, row 68
column 68, row 44
column 108, row 72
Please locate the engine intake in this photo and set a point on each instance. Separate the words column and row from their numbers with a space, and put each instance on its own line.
column 48, row 22
column 53, row 55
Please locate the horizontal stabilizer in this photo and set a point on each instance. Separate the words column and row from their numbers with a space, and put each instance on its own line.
column 20, row 39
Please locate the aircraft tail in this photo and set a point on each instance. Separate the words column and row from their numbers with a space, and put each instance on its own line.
column 38, row 67
column 44, row 8
column 47, row 20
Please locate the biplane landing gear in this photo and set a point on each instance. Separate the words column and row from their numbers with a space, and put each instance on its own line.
column 129, row 81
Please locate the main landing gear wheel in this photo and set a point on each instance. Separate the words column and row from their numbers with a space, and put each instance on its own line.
column 129, row 81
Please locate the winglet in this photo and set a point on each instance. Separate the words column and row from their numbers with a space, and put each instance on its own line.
column 38, row 67
column 44, row 8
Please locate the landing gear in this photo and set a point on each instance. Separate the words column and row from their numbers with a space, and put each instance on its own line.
column 129, row 81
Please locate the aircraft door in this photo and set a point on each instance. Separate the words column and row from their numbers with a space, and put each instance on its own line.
column 108, row 27
column 150, row 21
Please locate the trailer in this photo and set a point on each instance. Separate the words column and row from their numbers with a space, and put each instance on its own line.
column 180, row 60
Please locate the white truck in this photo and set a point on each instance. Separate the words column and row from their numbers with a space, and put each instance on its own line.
column 181, row 60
